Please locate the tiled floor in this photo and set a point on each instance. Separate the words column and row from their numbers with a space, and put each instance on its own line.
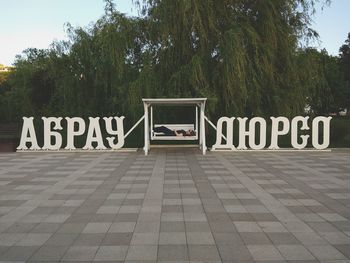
column 175, row 206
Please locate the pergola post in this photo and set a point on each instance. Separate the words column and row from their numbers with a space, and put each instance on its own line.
column 146, row 147
column 202, row 129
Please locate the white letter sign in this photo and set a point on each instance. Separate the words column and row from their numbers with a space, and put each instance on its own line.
column 28, row 127
column 49, row 133
column 71, row 133
column 119, row 132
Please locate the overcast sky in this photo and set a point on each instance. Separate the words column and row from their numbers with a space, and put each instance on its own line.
column 36, row 23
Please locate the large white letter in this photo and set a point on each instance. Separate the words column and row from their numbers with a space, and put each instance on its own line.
column 242, row 133
column 28, row 127
column 229, row 134
column 275, row 132
column 48, row 133
column 94, row 128
column 262, row 140
column 326, row 132
column 294, row 132
column 71, row 132
column 119, row 132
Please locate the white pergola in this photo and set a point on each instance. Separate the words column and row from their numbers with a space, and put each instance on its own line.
column 199, row 103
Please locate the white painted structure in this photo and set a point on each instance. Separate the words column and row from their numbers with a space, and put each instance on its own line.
column 299, row 128
column 150, row 135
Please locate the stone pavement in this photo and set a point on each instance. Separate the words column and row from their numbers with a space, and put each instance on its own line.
column 175, row 206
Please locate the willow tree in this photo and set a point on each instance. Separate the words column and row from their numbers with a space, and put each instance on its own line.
column 239, row 53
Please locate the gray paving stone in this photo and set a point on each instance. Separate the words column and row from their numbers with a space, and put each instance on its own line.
column 89, row 240
column 173, row 253
column 234, row 253
column 61, row 239
column 172, row 238
column 111, row 253
column 142, row 253
column 255, row 239
column 175, row 205
column 206, row 253
column 49, row 253
column 326, row 252
column 18, row 253
column 172, row 227
column 145, row 238
column 200, row 238
column 33, row 239
column 264, row 252
column 80, row 253
column 96, row 228
column 122, row 227
column 295, row 252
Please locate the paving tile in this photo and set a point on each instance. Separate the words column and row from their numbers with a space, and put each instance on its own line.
column 295, row 252
column 344, row 249
column 33, row 239
column 61, row 239
column 46, row 228
column 172, row 238
column 18, row 253
column 264, row 252
column 247, row 227
column 175, row 206
column 172, row 227
column 255, row 239
column 111, row 253
column 70, row 228
column 142, row 253
column 89, row 240
column 234, row 253
column 173, row 253
column 145, row 238
column 80, row 253
column 96, row 228
column 117, row 239
column 227, row 238
column 283, row 238
column 206, row 253
column 199, row 238
column 122, row 227
column 335, row 238
column 325, row 252
column 49, row 253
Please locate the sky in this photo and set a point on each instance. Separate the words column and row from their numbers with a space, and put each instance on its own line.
column 37, row 23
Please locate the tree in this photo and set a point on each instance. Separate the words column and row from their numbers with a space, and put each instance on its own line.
column 239, row 53
column 242, row 55
column 328, row 89
column 344, row 53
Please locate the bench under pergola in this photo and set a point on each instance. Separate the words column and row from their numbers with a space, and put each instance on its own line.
column 198, row 126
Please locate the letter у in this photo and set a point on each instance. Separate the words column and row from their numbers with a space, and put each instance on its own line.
column 119, row 132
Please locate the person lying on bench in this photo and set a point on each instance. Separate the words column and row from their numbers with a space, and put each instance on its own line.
column 168, row 132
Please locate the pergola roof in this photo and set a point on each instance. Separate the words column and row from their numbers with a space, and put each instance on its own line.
column 175, row 101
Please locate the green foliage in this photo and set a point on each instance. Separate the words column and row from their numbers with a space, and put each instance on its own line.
column 242, row 55
column 328, row 90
